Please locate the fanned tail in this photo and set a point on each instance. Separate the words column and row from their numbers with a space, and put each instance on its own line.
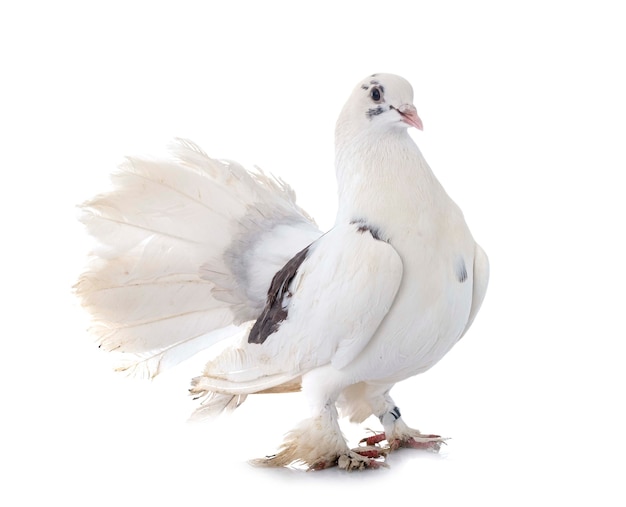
column 184, row 247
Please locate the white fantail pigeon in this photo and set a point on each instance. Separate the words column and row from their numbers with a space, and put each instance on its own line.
column 192, row 245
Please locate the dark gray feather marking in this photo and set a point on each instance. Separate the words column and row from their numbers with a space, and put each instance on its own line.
column 363, row 226
column 365, row 87
column 376, row 83
column 461, row 271
column 374, row 111
column 275, row 311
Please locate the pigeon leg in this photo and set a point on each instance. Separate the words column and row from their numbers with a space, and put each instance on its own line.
column 318, row 443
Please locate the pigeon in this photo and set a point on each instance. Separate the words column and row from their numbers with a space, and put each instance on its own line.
column 196, row 253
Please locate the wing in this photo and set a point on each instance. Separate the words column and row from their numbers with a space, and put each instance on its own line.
column 481, row 280
column 328, row 301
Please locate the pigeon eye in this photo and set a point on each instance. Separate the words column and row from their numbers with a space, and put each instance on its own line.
column 376, row 94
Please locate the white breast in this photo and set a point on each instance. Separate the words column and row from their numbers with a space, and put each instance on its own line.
column 401, row 197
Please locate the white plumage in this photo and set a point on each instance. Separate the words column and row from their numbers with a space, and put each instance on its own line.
column 192, row 245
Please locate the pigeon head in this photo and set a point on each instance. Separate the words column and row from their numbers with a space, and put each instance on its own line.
column 380, row 102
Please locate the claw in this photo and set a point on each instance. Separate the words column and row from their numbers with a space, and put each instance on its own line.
column 371, row 451
column 321, row 465
column 374, row 439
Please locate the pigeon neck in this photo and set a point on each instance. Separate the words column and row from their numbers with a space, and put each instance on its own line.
column 382, row 176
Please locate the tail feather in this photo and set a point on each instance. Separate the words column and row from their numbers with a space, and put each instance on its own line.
column 184, row 297
column 218, row 395
column 160, row 198
column 151, row 363
column 234, row 374
column 214, row 404
column 205, row 384
column 140, row 337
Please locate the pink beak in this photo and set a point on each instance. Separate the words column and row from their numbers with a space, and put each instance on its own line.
column 409, row 115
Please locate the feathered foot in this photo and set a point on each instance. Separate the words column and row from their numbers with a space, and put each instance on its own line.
column 357, row 459
column 318, row 444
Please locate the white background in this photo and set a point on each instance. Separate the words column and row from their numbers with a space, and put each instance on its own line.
column 524, row 109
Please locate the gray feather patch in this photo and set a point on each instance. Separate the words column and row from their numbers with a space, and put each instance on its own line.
column 461, row 271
